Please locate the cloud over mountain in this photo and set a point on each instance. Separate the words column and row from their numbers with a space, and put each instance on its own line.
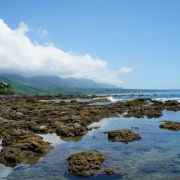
column 20, row 55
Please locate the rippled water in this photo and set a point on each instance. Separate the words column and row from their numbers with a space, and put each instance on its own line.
column 156, row 156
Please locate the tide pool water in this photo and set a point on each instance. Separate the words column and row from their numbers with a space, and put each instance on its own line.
column 155, row 156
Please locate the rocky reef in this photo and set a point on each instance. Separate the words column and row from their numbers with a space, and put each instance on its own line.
column 21, row 146
column 85, row 163
column 123, row 135
column 171, row 125
column 22, row 118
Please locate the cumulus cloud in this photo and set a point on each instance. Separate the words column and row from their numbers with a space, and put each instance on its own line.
column 19, row 54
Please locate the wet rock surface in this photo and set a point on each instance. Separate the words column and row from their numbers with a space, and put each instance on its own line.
column 85, row 163
column 123, row 135
column 30, row 116
column 171, row 125
column 109, row 171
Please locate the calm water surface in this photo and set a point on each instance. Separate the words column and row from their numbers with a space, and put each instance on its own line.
column 156, row 156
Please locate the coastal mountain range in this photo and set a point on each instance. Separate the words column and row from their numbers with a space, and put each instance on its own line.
column 47, row 85
column 55, row 81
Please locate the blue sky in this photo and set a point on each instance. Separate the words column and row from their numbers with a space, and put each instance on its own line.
column 139, row 34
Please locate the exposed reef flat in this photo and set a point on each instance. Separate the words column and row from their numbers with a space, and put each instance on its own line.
column 22, row 118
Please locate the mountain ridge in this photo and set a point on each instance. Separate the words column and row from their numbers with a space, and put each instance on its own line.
column 56, row 81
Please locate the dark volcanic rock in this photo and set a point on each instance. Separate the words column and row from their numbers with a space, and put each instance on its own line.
column 123, row 135
column 85, row 163
column 171, row 125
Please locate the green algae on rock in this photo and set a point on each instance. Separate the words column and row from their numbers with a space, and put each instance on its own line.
column 85, row 163
column 171, row 125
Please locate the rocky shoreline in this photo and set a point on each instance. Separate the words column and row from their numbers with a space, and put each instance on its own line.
column 23, row 118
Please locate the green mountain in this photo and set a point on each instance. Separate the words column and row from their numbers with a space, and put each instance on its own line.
column 48, row 85
column 56, row 81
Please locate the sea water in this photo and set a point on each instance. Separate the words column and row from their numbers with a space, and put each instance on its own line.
column 155, row 156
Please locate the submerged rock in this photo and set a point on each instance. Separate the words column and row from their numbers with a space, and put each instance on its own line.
column 171, row 125
column 123, row 135
column 109, row 171
column 85, row 163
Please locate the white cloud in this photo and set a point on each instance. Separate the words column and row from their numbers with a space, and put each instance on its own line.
column 18, row 54
column 124, row 70
column 42, row 33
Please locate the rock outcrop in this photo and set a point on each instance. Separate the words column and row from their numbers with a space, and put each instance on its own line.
column 171, row 125
column 85, row 163
column 123, row 135
column 21, row 146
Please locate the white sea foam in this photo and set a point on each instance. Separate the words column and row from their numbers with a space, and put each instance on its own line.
column 167, row 99
column 112, row 99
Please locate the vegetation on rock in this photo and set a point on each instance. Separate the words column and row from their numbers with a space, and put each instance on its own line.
column 6, row 92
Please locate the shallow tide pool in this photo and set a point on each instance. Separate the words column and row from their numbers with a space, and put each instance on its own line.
column 155, row 156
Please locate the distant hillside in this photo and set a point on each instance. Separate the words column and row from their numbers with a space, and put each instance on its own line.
column 49, row 85
column 56, row 81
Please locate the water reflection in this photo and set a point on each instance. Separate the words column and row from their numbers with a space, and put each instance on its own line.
column 52, row 138
column 155, row 156
column 0, row 145
column 75, row 139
